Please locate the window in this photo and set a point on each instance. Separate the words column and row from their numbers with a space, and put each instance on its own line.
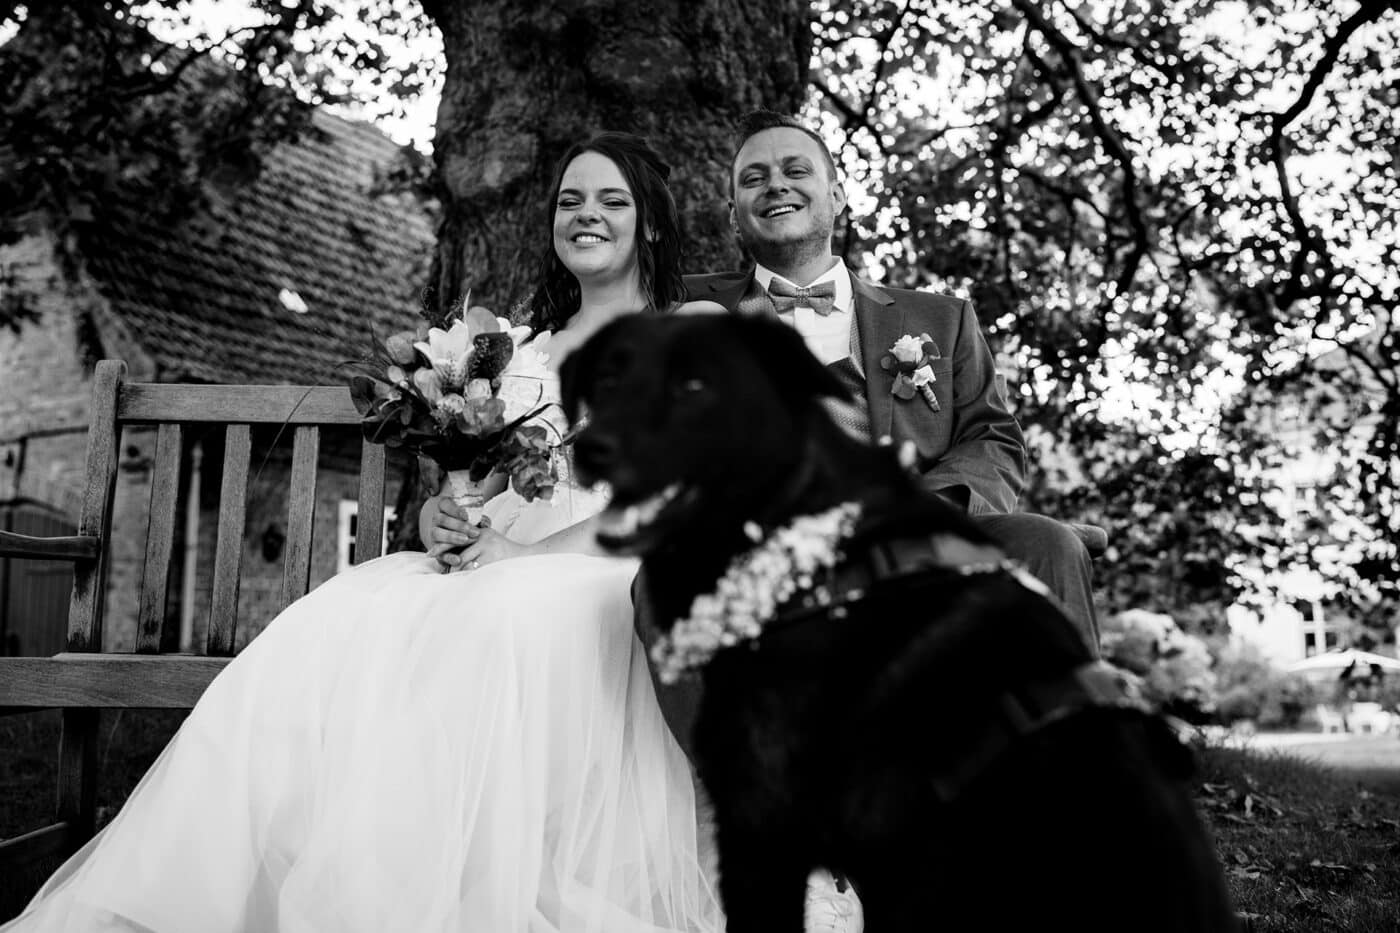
column 347, row 527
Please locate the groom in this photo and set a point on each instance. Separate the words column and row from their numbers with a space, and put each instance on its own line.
column 784, row 200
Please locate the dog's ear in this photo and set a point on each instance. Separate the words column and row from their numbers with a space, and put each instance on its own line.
column 783, row 352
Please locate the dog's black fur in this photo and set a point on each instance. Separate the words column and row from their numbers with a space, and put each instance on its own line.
column 822, row 743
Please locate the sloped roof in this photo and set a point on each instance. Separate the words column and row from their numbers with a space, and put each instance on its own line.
column 208, row 298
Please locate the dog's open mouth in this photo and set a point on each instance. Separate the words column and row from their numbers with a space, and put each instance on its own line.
column 636, row 527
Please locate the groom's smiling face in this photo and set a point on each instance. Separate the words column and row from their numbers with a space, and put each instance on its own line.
column 784, row 193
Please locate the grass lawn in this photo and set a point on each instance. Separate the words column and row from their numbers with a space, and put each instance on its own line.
column 130, row 741
column 1308, row 828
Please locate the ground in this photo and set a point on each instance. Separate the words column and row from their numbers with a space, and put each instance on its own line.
column 1307, row 825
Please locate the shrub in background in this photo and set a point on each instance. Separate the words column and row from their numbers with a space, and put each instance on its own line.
column 1174, row 667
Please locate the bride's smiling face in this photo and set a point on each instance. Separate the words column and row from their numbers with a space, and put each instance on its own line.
column 595, row 219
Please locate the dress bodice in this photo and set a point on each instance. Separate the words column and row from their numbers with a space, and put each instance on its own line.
column 528, row 384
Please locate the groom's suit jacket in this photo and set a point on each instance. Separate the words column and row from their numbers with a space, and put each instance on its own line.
column 972, row 448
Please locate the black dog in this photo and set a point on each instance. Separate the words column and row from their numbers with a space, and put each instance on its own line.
column 922, row 719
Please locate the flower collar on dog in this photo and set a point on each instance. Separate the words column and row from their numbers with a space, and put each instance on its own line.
column 909, row 360
column 751, row 591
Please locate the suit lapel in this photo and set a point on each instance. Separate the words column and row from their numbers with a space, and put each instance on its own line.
column 879, row 322
column 730, row 293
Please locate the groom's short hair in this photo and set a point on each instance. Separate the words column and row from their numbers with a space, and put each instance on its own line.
column 756, row 121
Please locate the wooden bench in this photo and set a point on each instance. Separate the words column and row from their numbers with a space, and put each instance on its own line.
column 83, row 679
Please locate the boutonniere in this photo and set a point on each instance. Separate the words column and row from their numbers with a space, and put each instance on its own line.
column 909, row 360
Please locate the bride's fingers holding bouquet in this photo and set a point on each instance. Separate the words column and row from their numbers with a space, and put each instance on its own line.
column 489, row 547
column 450, row 524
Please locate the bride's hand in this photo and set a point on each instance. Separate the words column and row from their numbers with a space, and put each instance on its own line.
column 443, row 524
column 490, row 546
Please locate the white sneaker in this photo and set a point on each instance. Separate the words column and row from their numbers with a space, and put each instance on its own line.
column 832, row 906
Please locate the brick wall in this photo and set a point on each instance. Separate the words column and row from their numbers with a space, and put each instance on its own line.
column 45, row 393
column 44, row 385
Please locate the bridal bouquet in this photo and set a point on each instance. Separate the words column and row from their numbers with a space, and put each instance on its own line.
column 438, row 393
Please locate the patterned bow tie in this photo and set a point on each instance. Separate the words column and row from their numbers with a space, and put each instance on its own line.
column 821, row 297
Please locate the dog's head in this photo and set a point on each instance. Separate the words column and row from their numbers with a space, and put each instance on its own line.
column 694, row 420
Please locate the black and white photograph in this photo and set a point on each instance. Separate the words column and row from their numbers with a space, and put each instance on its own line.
column 699, row 466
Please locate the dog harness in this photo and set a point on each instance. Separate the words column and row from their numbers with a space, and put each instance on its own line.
column 1015, row 715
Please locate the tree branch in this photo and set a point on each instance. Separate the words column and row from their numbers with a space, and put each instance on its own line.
column 881, row 62
column 1069, row 55
column 1114, row 42
column 1277, row 145
column 851, row 119
column 1065, row 192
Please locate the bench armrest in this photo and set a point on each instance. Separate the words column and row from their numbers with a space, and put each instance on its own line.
column 76, row 548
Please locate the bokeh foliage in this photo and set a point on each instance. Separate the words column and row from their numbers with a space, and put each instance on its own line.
column 1177, row 218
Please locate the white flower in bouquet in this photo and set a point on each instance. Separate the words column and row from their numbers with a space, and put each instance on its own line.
column 429, row 382
column 449, row 352
column 523, row 381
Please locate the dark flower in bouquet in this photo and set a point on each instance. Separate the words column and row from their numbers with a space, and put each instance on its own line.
column 436, row 392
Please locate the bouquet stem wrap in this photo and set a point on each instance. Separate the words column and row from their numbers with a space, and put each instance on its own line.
column 468, row 493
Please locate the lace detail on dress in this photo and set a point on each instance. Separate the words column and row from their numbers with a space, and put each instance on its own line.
column 530, row 383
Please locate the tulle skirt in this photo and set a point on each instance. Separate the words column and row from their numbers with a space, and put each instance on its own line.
column 407, row 750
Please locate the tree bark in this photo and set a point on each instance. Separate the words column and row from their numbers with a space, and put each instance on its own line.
column 524, row 81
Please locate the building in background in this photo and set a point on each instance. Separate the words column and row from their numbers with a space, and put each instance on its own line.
column 1317, row 430
column 280, row 283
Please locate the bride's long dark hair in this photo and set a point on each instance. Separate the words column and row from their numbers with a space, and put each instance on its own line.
column 658, row 237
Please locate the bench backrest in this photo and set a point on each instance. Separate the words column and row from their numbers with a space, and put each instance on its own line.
column 83, row 678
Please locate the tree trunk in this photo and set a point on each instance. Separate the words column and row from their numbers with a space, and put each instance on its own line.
column 524, row 81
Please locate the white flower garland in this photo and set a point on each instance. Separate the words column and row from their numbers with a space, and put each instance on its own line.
column 757, row 582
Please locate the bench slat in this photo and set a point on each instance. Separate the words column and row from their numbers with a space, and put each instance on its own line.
column 228, row 551
column 69, row 547
column 301, row 513
column 295, row 405
column 160, row 538
column 108, row 681
column 95, row 519
column 369, row 514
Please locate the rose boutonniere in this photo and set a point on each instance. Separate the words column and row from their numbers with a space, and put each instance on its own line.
column 909, row 360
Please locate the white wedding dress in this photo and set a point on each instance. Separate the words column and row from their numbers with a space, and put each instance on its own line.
column 403, row 750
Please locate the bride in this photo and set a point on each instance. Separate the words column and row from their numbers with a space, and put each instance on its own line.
column 407, row 750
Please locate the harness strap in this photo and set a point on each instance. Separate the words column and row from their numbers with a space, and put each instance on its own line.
column 1030, row 708
column 1015, row 714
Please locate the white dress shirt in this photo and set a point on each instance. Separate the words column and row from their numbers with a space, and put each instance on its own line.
column 828, row 336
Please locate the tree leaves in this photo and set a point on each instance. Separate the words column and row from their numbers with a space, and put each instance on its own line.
column 1135, row 196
